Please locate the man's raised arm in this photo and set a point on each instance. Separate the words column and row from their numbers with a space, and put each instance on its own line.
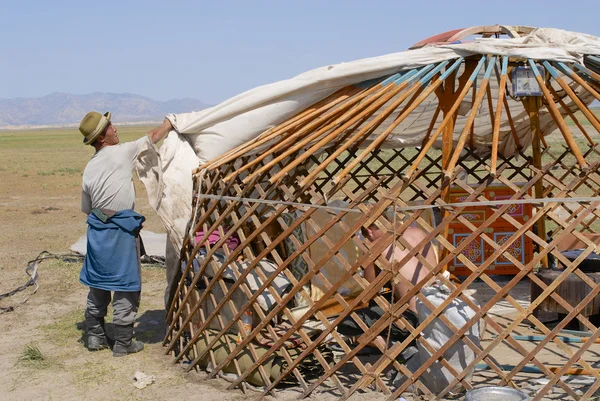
column 156, row 134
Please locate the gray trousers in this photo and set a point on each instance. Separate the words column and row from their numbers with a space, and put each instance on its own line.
column 125, row 305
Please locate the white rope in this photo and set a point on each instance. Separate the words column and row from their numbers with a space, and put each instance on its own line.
column 585, row 199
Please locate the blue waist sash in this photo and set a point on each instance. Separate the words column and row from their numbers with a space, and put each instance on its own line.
column 111, row 262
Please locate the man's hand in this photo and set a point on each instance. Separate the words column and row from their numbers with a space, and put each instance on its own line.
column 157, row 134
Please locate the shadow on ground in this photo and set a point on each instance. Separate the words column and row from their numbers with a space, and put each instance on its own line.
column 150, row 328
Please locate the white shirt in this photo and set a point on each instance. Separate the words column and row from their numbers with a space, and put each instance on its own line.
column 108, row 177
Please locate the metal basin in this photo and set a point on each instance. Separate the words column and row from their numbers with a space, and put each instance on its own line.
column 496, row 393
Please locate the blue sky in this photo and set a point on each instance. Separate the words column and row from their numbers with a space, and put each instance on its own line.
column 214, row 50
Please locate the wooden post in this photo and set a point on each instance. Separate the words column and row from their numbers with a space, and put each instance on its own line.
column 532, row 104
column 447, row 98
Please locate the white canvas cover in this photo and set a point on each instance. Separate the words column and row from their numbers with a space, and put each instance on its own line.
column 205, row 135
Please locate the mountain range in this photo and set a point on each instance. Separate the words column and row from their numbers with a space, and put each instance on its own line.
column 64, row 109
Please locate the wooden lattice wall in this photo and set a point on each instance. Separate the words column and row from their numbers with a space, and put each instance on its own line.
column 337, row 151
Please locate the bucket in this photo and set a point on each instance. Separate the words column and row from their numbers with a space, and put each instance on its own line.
column 496, row 393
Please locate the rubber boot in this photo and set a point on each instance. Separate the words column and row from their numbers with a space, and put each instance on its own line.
column 96, row 336
column 124, row 343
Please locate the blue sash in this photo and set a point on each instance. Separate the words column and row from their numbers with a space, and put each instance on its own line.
column 111, row 262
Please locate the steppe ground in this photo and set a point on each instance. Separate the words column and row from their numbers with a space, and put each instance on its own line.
column 40, row 181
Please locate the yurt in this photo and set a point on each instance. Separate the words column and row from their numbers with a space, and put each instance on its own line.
column 420, row 223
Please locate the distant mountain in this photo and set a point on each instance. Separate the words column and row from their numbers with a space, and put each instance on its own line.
column 67, row 109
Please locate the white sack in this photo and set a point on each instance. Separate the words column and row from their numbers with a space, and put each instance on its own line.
column 436, row 378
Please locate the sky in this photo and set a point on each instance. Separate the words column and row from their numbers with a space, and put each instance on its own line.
column 215, row 50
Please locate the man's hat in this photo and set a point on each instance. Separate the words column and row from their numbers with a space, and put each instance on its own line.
column 92, row 125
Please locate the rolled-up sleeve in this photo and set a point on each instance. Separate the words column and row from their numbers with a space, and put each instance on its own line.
column 86, row 202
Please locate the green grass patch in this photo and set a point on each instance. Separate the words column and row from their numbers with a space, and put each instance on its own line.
column 93, row 373
column 583, row 120
column 61, row 171
column 66, row 274
column 32, row 353
column 67, row 330
column 32, row 357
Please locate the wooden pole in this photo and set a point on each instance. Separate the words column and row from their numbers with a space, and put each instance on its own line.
column 569, row 72
column 368, row 107
column 532, row 104
column 448, row 173
column 383, row 136
column 349, row 142
column 562, row 125
column 584, row 109
column 330, row 120
column 573, row 116
column 306, row 115
column 498, row 118
column 448, row 118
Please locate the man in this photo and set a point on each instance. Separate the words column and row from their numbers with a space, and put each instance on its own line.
column 412, row 270
column 112, row 258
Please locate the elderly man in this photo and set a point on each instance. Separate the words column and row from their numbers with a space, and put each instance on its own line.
column 112, row 259
column 412, row 270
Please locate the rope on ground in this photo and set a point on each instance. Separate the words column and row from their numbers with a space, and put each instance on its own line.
column 72, row 257
column 32, row 272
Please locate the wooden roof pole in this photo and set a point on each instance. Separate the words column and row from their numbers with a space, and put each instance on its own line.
column 365, row 130
column 448, row 171
column 584, row 109
column 448, row 117
column 366, row 108
column 572, row 115
column 432, row 124
column 320, row 125
column 511, row 122
column 566, row 70
column 562, row 125
column 498, row 117
column 595, row 76
column 451, row 71
column 513, row 130
column 490, row 102
column 307, row 115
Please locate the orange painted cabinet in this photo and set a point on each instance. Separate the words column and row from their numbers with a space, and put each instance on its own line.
column 499, row 231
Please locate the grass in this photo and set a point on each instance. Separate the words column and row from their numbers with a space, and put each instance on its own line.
column 65, row 331
column 32, row 353
column 68, row 274
column 32, row 357
column 582, row 118
column 62, row 171
column 92, row 372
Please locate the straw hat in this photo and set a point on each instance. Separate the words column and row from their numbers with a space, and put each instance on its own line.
column 92, row 125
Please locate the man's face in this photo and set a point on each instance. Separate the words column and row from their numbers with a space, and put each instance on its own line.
column 111, row 137
column 372, row 233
